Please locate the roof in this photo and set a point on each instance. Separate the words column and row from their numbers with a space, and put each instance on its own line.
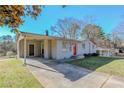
column 40, row 35
column 89, row 41
column 93, row 42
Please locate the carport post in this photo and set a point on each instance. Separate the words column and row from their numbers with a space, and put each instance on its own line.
column 25, row 50
column 17, row 44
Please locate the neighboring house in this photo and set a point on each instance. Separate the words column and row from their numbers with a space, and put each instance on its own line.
column 105, row 52
column 50, row 47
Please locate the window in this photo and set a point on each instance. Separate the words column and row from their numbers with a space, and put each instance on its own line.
column 83, row 45
column 92, row 46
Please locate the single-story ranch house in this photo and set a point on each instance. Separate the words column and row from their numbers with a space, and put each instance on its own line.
column 49, row 47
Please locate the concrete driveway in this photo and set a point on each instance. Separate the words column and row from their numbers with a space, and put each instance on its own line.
column 63, row 75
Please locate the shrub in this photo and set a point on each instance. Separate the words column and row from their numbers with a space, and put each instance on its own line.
column 91, row 54
column 87, row 55
column 10, row 54
column 95, row 54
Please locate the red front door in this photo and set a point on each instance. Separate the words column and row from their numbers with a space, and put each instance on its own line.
column 74, row 50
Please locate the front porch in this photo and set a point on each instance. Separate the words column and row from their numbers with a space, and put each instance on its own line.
column 36, row 46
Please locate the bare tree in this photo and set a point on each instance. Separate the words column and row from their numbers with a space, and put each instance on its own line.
column 67, row 28
column 7, row 44
column 118, row 35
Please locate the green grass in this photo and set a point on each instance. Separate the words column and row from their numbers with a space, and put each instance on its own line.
column 14, row 75
column 112, row 66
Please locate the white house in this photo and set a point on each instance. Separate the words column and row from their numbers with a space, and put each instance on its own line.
column 50, row 47
column 105, row 52
column 89, row 47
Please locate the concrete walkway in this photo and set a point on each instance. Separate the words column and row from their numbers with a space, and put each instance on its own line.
column 63, row 75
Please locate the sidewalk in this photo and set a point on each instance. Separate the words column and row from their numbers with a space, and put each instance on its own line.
column 57, row 75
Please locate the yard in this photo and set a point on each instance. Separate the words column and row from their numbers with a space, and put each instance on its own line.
column 112, row 66
column 14, row 75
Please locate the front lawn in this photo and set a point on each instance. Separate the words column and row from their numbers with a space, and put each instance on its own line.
column 112, row 66
column 14, row 75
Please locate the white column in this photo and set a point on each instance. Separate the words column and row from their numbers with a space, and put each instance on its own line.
column 18, row 53
column 17, row 45
column 46, row 49
column 19, row 38
column 25, row 50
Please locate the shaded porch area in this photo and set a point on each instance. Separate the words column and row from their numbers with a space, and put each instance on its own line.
column 36, row 46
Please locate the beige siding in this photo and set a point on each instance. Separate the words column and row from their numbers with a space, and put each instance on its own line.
column 21, row 48
column 53, row 46
column 62, row 54
column 37, row 48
